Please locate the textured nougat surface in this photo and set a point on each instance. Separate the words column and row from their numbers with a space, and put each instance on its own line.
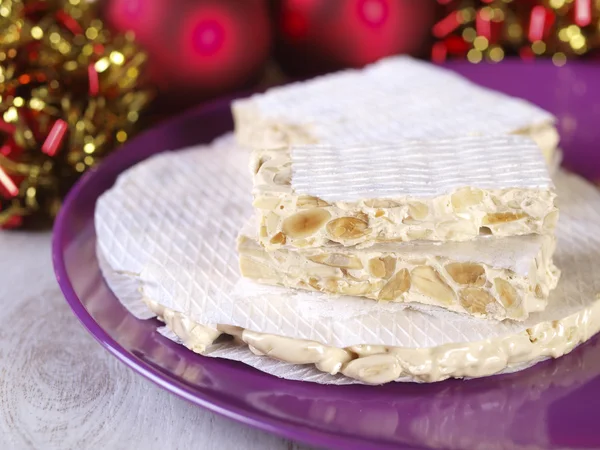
column 494, row 278
column 439, row 190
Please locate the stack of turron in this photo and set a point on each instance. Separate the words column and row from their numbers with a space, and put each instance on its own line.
column 402, row 182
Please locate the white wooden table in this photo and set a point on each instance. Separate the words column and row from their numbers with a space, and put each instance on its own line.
column 59, row 389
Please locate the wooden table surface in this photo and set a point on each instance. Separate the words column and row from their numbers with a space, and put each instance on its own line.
column 59, row 389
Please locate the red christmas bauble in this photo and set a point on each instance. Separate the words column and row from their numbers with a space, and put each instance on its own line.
column 198, row 48
column 315, row 36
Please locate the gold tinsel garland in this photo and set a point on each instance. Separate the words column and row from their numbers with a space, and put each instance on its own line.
column 490, row 29
column 69, row 94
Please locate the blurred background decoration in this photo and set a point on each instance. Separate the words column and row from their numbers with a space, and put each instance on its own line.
column 69, row 93
column 479, row 29
column 200, row 49
column 75, row 82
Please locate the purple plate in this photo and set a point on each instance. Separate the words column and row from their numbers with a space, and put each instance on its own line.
column 553, row 404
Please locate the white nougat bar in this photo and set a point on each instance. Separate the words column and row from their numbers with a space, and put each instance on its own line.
column 492, row 278
column 438, row 190
column 395, row 98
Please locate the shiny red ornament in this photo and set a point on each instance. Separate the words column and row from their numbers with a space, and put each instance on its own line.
column 456, row 45
column 200, row 48
column 55, row 138
column 315, row 36
column 446, row 25
column 93, row 80
column 9, row 185
column 541, row 20
column 583, row 12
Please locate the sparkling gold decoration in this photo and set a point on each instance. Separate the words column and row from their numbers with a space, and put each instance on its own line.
column 490, row 29
column 69, row 93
